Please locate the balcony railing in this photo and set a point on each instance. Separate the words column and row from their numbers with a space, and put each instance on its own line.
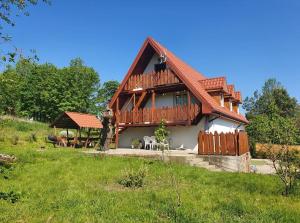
column 178, row 114
column 151, row 80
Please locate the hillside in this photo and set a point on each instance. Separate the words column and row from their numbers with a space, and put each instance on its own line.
column 66, row 185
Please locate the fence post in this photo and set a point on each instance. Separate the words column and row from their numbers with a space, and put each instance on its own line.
column 217, row 143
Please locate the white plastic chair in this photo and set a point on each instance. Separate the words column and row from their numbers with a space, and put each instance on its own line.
column 154, row 143
column 147, row 141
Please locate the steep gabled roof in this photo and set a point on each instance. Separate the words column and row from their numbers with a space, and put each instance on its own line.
column 188, row 75
column 74, row 120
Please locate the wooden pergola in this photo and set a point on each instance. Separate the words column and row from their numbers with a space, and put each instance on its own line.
column 78, row 121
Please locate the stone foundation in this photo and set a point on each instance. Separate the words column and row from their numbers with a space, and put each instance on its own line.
column 230, row 163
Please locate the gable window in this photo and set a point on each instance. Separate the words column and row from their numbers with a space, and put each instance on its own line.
column 180, row 98
column 222, row 100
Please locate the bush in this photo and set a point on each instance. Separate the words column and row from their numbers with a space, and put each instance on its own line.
column 11, row 196
column 14, row 140
column 161, row 133
column 134, row 179
column 136, row 144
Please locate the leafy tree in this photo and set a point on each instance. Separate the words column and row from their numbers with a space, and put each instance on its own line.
column 9, row 9
column 271, row 107
column 273, row 98
column 105, row 93
column 10, row 89
column 44, row 91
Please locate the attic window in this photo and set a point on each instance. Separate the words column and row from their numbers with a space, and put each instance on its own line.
column 230, row 105
column 222, row 100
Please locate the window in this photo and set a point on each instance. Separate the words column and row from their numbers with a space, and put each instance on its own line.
column 222, row 100
column 180, row 99
column 230, row 105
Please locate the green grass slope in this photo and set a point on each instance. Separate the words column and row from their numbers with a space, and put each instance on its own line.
column 66, row 185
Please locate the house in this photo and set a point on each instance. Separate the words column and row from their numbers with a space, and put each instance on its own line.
column 160, row 86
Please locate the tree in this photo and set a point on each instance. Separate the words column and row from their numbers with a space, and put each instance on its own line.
column 42, row 91
column 273, row 98
column 105, row 93
column 10, row 90
column 9, row 9
column 272, row 115
column 271, row 107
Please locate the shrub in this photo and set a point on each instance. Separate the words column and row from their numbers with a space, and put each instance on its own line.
column 14, row 140
column 286, row 163
column 134, row 179
column 136, row 144
column 161, row 133
column 11, row 196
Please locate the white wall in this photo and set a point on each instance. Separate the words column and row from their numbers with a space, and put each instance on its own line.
column 185, row 136
column 161, row 100
column 224, row 125
column 150, row 66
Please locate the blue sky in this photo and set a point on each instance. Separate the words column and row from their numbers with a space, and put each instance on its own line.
column 248, row 41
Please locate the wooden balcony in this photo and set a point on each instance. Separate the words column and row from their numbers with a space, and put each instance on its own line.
column 149, row 116
column 151, row 80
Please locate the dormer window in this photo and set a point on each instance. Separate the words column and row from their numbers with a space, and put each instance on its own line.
column 222, row 100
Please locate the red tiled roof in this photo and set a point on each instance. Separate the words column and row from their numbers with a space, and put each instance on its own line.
column 77, row 120
column 216, row 83
column 85, row 120
column 190, row 77
column 238, row 96
column 231, row 90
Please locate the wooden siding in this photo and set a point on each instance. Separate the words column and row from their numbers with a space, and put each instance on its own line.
column 149, row 116
column 151, row 80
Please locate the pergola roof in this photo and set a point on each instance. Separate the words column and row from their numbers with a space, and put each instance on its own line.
column 75, row 120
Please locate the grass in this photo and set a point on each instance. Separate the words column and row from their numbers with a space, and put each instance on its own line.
column 66, row 185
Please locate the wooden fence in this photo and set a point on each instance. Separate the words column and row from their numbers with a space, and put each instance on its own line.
column 223, row 144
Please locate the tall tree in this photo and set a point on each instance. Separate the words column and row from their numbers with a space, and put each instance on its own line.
column 105, row 93
column 44, row 91
column 10, row 90
column 272, row 114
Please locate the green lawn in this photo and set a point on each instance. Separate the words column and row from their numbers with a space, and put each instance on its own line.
column 66, row 185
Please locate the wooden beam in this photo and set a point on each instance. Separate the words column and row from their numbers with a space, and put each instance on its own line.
column 153, row 106
column 88, row 138
column 137, row 105
column 117, row 123
column 125, row 106
column 189, row 107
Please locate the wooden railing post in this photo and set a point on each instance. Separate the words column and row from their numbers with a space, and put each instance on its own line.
column 189, row 107
column 117, row 123
column 153, row 106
